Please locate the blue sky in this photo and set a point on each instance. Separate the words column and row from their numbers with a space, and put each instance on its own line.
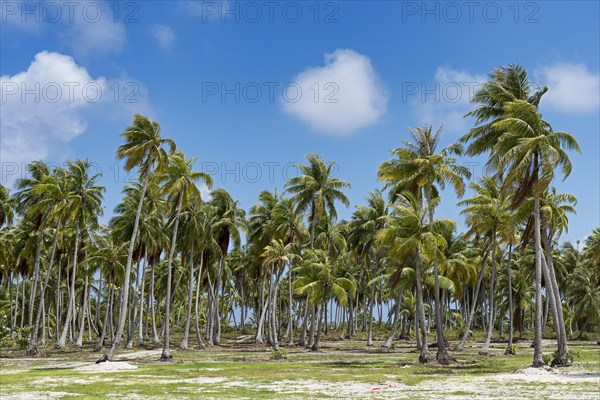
column 73, row 74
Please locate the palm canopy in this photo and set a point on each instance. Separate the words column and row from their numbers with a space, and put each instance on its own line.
column 84, row 199
column 179, row 180
column 316, row 190
column 144, row 147
column 6, row 206
column 418, row 165
column 506, row 84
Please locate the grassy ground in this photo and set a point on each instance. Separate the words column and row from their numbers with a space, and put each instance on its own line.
column 342, row 369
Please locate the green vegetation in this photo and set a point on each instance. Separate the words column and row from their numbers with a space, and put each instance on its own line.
column 174, row 269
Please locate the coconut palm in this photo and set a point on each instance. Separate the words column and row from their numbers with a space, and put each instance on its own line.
column 6, row 207
column 82, row 209
column 487, row 213
column 143, row 149
column 316, row 190
column 420, row 169
column 413, row 241
column 179, row 182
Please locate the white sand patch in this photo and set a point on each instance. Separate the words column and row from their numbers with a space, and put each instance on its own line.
column 139, row 354
column 37, row 395
column 4, row 371
column 107, row 366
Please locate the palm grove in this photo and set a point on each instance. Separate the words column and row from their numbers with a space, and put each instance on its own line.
column 288, row 270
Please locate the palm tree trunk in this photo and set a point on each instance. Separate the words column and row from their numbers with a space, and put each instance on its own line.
column 36, row 273
column 492, row 309
column 537, row 343
column 471, row 315
column 291, row 308
column 63, row 337
column 315, row 344
column 166, row 353
column 559, row 323
column 186, row 330
column 424, row 353
column 302, row 340
column 509, row 347
column 32, row 347
column 394, row 327
column 196, row 311
column 141, row 317
column 79, row 341
column 125, row 294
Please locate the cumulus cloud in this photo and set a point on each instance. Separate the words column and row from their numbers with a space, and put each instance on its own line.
column 50, row 103
column 445, row 100
column 339, row 98
column 573, row 88
column 164, row 36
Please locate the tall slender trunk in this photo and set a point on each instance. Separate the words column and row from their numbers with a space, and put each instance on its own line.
column 32, row 346
column 492, row 309
column 196, row 311
column 100, row 343
column 125, row 293
column 259, row 327
column 424, row 353
column 166, row 353
column 315, row 344
column 186, row 330
column 63, row 337
column 79, row 341
column 141, row 317
column 302, row 340
column 36, row 274
column 394, row 326
column 509, row 347
column 290, row 309
column 471, row 315
column 273, row 307
column 537, row 343
column 559, row 323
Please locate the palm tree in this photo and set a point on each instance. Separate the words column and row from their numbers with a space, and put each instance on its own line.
column 83, row 207
column 180, row 186
column 487, row 213
column 316, row 191
column 419, row 169
column 143, row 149
column 276, row 256
column 413, row 241
column 366, row 222
column 230, row 220
column 318, row 280
column 523, row 149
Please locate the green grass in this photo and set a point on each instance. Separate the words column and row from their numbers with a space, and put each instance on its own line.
column 248, row 371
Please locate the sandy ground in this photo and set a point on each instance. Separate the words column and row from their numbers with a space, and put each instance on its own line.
column 527, row 383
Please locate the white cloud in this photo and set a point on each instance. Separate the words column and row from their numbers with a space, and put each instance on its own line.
column 572, row 88
column 164, row 35
column 339, row 98
column 445, row 100
column 48, row 105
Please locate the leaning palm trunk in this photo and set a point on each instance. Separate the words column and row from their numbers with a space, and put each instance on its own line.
column 196, row 311
column 63, row 337
column 509, row 347
column 36, row 273
column 537, row 344
column 166, row 353
column 261, row 322
column 559, row 323
column 394, row 327
column 79, row 341
column 141, row 317
column 106, row 315
column 290, row 310
column 492, row 311
column 125, row 293
column 370, row 321
column 32, row 346
column 273, row 312
column 471, row 315
column 186, row 331
column 302, row 340
column 315, row 344
column 424, row 353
